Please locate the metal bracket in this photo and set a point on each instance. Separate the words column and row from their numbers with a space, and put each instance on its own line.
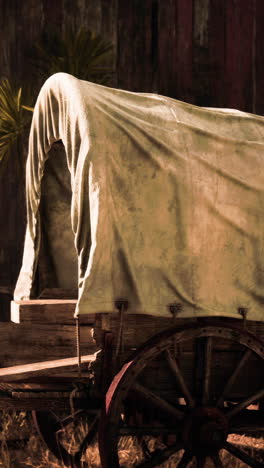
column 175, row 309
column 243, row 311
column 121, row 304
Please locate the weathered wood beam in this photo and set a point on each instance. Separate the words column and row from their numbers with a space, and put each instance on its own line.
column 48, row 311
column 26, row 343
column 43, row 368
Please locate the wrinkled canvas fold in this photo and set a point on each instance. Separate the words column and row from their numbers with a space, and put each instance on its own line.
column 167, row 200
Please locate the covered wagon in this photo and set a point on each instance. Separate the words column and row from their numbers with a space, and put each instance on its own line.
column 149, row 211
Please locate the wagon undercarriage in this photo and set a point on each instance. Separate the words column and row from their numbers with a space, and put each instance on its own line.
column 179, row 397
column 194, row 414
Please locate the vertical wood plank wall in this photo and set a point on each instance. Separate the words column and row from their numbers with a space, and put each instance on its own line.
column 206, row 52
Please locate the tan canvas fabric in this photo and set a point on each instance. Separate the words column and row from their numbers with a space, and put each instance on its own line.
column 167, row 200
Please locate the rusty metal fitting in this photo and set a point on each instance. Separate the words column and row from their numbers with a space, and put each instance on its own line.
column 175, row 309
column 243, row 311
column 121, row 304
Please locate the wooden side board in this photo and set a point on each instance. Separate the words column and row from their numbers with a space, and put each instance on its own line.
column 46, row 311
column 47, row 332
column 11, row 374
column 28, row 343
column 59, row 315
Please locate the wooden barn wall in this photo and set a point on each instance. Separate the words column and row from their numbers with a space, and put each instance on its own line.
column 206, row 52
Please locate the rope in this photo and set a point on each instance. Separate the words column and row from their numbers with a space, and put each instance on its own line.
column 79, row 385
column 119, row 342
column 78, row 346
column 174, row 310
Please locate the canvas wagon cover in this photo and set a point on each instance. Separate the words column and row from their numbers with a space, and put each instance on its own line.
column 167, row 200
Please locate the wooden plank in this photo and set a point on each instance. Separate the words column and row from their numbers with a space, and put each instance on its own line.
column 125, row 37
column 136, row 24
column 139, row 328
column 109, row 32
column 216, row 53
column 167, row 26
column 201, row 18
column 144, row 45
column 201, row 78
column 175, row 49
column 152, row 46
column 48, row 311
column 26, row 343
column 184, row 59
column 8, row 374
column 11, row 232
column 52, row 12
column 239, row 54
column 258, row 78
column 134, row 27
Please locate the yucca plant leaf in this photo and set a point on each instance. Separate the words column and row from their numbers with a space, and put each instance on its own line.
column 30, row 109
column 19, row 99
column 78, row 52
column 13, row 118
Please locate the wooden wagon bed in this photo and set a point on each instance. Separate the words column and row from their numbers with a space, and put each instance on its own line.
column 213, row 362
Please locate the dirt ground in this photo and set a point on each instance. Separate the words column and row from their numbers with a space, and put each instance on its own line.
column 21, row 447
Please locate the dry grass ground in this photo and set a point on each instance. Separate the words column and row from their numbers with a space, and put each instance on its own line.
column 28, row 451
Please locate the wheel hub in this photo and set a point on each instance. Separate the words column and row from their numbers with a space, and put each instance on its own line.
column 205, row 431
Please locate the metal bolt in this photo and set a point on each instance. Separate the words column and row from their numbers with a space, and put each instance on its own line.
column 175, row 309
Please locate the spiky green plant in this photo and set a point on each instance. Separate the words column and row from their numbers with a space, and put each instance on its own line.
column 78, row 52
column 14, row 118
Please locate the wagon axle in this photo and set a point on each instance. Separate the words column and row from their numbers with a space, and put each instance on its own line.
column 205, row 431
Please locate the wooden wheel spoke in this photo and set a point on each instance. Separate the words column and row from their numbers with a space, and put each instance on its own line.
column 185, row 460
column 217, row 461
column 234, row 376
column 160, row 456
column 180, row 379
column 200, row 462
column 207, row 369
column 241, row 455
column 248, row 401
column 203, row 368
column 157, row 401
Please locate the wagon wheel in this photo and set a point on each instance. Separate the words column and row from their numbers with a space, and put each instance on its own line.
column 67, row 436
column 186, row 393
